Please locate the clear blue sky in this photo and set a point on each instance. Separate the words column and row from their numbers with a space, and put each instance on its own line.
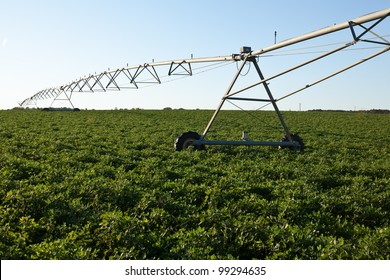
column 50, row 43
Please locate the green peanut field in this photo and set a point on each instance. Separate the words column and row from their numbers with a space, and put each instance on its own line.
column 109, row 185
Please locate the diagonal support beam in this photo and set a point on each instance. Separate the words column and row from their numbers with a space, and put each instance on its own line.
column 188, row 71
column 337, row 72
column 359, row 37
column 112, row 79
column 152, row 72
column 98, row 82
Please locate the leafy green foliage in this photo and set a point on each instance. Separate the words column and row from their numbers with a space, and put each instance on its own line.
column 108, row 185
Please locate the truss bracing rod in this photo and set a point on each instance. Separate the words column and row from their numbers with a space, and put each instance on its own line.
column 180, row 65
column 292, row 69
column 331, row 29
column 336, row 73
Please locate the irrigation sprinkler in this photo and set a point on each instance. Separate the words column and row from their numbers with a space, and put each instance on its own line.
column 131, row 77
column 290, row 140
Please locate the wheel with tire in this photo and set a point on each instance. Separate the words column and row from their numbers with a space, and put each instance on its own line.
column 295, row 138
column 186, row 140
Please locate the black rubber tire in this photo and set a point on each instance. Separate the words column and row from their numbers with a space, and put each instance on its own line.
column 295, row 138
column 184, row 141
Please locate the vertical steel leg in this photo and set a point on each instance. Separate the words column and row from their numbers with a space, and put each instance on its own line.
column 272, row 100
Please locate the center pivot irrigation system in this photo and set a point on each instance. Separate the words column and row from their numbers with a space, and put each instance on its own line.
column 132, row 76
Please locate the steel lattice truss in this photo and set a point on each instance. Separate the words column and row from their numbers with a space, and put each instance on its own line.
column 130, row 77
